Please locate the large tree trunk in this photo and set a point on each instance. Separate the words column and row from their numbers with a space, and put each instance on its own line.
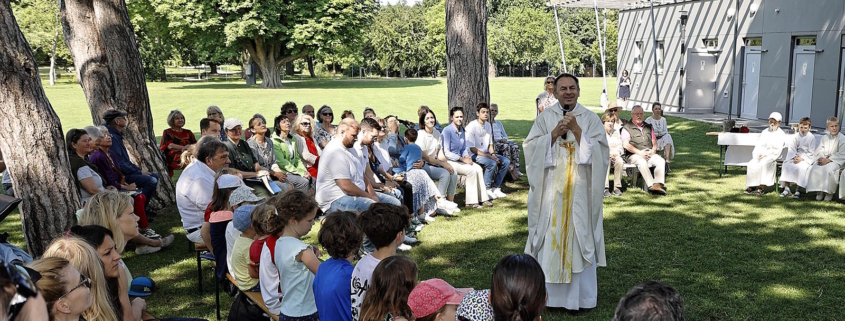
column 32, row 142
column 270, row 59
column 466, row 54
column 310, row 66
column 213, row 68
column 105, row 54
column 289, row 70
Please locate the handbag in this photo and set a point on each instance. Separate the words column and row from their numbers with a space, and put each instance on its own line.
column 7, row 205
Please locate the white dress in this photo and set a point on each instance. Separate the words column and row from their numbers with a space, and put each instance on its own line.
column 826, row 178
column 802, row 146
column 661, row 129
column 762, row 171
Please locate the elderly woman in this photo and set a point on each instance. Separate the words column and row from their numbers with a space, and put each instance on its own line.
column 325, row 130
column 262, row 148
column 307, row 149
column 829, row 157
column 175, row 140
column 284, row 146
column 289, row 110
column 763, row 164
column 547, row 98
column 395, row 141
column 214, row 112
column 112, row 178
column 504, row 145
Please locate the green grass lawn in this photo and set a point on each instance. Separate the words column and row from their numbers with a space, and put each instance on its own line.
column 731, row 256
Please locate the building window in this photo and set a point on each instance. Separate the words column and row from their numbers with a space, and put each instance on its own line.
column 754, row 42
column 638, row 56
column 660, row 55
column 712, row 43
column 808, row 41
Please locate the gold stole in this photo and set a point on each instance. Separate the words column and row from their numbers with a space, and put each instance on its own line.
column 562, row 232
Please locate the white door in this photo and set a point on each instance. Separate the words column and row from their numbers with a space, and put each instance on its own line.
column 751, row 82
column 804, row 59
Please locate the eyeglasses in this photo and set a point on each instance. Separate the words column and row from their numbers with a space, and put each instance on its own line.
column 305, row 124
column 328, row 114
column 549, row 82
column 291, row 111
column 83, row 280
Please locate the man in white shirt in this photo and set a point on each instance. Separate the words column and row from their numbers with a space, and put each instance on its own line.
column 479, row 140
column 196, row 185
column 341, row 185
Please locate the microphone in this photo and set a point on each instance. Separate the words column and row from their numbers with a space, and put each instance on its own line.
column 566, row 109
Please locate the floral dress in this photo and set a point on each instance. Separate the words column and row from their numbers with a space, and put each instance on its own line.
column 323, row 136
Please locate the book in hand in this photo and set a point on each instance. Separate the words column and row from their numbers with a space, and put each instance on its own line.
column 270, row 185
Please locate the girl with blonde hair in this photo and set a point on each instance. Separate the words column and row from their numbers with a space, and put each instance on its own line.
column 66, row 291
column 115, row 212
column 84, row 258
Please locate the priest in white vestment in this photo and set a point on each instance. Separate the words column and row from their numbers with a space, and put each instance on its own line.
column 830, row 155
column 567, row 157
column 799, row 159
column 762, row 167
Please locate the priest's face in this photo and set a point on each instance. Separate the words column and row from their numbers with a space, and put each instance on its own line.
column 833, row 128
column 567, row 91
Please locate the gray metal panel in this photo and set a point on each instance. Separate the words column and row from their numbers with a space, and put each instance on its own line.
column 776, row 60
column 772, row 96
column 824, row 100
column 802, row 16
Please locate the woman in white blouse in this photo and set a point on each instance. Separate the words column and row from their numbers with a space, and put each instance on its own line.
column 661, row 131
column 435, row 163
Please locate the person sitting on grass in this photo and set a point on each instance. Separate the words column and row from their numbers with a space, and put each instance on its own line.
column 147, row 182
column 763, row 164
column 393, row 280
column 798, row 160
column 614, row 144
column 175, row 140
column 66, row 291
column 115, row 212
column 341, row 237
column 297, row 262
column 830, row 155
column 384, row 225
column 650, row 300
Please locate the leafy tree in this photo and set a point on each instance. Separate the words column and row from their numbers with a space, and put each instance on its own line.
column 612, row 43
column 275, row 32
column 39, row 22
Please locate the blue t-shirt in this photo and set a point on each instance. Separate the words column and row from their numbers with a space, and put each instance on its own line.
column 331, row 290
column 410, row 155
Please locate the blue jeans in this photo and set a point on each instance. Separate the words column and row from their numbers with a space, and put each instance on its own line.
column 446, row 183
column 146, row 183
column 359, row 204
column 490, row 167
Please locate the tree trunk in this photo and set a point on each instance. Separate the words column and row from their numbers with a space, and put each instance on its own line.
column 105, row 54
column 493, row 69
column 32, row 142
column 53, row 58
column 533, row 70
column 213, row 67
column 510, row 70
column 310, row 66
column 466, row 55
column 289, row 68
column 270, row 60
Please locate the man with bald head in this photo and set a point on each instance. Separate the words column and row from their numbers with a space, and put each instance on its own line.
column 341, row 185
column 640, row 143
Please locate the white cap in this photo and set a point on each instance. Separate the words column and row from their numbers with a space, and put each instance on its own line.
column 231, row 123
column 229, row 181
column 776, row 116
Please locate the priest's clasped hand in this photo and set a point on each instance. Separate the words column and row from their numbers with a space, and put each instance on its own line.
column 568, row 123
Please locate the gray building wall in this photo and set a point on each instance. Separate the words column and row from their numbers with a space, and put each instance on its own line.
column 777, row 22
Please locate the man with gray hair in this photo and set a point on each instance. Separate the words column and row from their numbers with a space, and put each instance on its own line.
column 196, row 185
column 640, row 145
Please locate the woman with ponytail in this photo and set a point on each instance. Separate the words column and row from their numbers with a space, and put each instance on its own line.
column 66, row 291
column 84, row 258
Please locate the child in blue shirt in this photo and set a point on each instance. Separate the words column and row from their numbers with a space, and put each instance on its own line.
column 340, row 236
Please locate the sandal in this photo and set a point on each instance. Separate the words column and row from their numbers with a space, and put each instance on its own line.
column 473, row 206
column 759, row 192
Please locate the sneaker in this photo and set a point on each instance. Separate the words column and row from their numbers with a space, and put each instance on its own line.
column 819, row 196
column 499, row 193
column 443, row 211
column 606, row 192
column 487, row 204
column 828, row 197
column 404, row 247
column 785, row 192
column 410, row 240
column 416, row 221
column 167, row 241
column 797, row 195
column 150, row 233
column 446, row 204
column 415, row 228
column 147, row 250
column 428, row 219
column 617, row 192
column 490, row 194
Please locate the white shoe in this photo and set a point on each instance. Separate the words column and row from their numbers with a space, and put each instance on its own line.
column 446, row 204
column 404, row 247
column 147, row 250
column 410, row 240
column 819, row 196
column 418, row 227
column 490, row 194
column 428, row 219
column 828, row 197
column 785, row 192
column 499, row 193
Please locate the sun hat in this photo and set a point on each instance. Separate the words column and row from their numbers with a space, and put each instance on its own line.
column 142, row 286
column 229, row 181
column 231, row 123
column 431, row 295
column 242, row 194
column 476, row 306
column 612, row 105
column 242, row 219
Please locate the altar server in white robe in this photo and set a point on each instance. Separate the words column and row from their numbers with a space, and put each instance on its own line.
column 567, row 156
column 799, row 159
column 829, row 156
column 762, row 167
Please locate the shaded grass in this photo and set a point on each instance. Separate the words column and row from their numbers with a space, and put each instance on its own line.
column 731, row 256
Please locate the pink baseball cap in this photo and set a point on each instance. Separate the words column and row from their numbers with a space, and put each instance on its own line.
column 431, row 295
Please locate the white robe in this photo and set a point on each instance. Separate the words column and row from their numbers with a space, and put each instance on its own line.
column 826, row 178
column 802, row 146
column 565, row 220
column 763, row 171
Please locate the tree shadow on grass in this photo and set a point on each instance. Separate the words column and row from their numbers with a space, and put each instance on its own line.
column 321, row 84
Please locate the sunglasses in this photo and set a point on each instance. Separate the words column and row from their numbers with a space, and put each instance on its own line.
column 305, row 124
column 328, row 114
column 549, row 82
column 291, row 112
column 83, row 280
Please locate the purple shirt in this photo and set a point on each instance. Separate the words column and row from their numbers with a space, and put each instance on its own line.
column 110, row 177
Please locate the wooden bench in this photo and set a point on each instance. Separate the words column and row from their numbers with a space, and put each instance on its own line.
column 255, row 298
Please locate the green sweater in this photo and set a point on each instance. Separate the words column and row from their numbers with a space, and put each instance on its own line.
column 288, row 159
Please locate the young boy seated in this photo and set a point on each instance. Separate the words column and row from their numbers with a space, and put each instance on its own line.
column 341, row 237
column 245, row 274
column 384, row 224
